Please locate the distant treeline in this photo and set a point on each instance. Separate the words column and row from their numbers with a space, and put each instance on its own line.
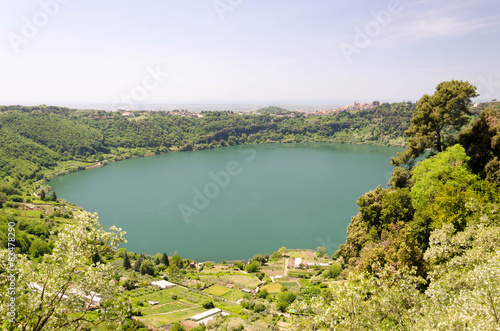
column 36, row 138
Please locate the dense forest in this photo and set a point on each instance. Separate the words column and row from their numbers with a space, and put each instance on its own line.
column 421, row 254
column 36, row 138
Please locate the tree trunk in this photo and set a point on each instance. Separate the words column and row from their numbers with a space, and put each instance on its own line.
column 438, row 142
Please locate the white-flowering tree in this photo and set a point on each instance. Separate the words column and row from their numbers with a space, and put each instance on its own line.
column 59, row 292
column 389, row 300
column 464, row 293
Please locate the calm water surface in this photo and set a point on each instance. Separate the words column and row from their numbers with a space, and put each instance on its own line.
column 234, row 202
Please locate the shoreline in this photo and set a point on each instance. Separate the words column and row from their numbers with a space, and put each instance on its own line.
column 246, row 254
column 104, row 163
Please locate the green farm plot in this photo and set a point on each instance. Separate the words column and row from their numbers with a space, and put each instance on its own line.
column 234, row 309
column 273, row 288
column 217, row 290
column 299, row 254
column 163, row 296
column 242, row 281
column 165, row 308
column 172, row 317
column 290, row 285
column 274, row 270
column 234, row 295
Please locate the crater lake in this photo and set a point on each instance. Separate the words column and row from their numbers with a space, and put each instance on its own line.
column 231, row 203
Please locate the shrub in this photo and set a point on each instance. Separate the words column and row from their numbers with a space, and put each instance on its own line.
column 177, row 327
column 208, row 305
column 252, row 267
column 16, row 198
column 333, row 271
column 259, row 307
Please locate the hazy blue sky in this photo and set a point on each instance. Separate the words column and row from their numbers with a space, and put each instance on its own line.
column 244, row 51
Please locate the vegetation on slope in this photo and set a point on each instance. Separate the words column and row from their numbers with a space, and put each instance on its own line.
column 421, row 254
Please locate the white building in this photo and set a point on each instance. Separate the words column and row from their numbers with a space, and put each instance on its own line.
column 163, row 284
column 298, row 262
column 205, row 316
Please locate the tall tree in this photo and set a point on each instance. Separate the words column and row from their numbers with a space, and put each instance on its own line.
column 126, row 262
column 53, row 196
column 42, row 195
column 147, row 268
column 164, row 259
column 447, row 108
column 482, row 143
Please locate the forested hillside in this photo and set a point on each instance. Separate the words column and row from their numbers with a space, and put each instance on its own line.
column 421, row 254
column 424, row 253
column 44, row 135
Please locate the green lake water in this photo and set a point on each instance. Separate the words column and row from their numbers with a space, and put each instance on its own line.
column 233, row 202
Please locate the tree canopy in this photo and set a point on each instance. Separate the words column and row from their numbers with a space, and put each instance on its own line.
column 435, row 118
column 64, row 285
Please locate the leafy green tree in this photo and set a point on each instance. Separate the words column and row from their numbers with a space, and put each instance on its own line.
column 448, row 167
column 138, row 262
column 396, row 249
column 321, row 251
column 482, row 143
column 378, row 209
column 177, row 327
column 333, row 271
column 446, row 109
column 252, row 267
column 400, row 178
column 39, row 248
column 147, row 268
column 263, row 294
column 176, row 261
column 3, row 199
column 259, row 307
column 22, row 242
column 285, row 298
column 61, row 287
column 42, row 195
column 275, row 256
column 259, row 258
column 126, row 262
column 208, row 305
column 53, row 196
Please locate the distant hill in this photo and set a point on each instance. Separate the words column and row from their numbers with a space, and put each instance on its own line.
column 34, row 139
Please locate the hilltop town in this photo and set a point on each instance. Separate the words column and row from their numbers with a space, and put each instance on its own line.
column 271, row 111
